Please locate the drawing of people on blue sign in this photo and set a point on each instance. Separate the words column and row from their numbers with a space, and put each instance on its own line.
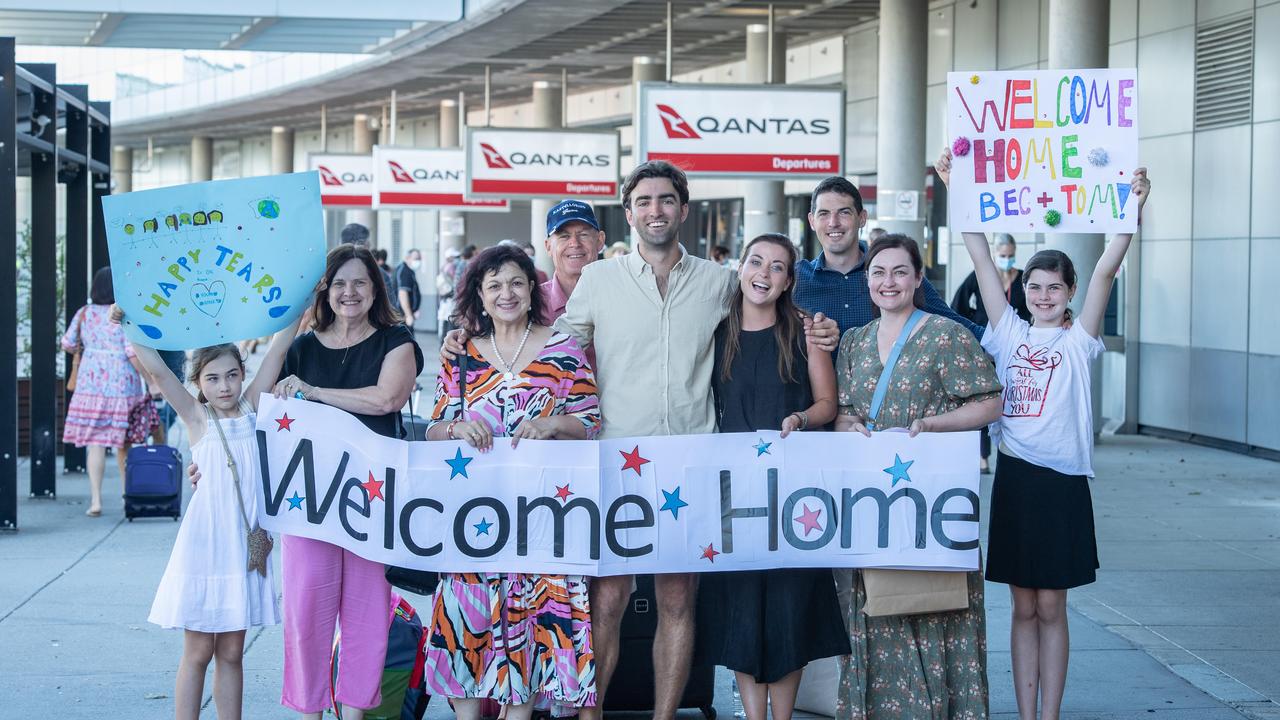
column 215, row 262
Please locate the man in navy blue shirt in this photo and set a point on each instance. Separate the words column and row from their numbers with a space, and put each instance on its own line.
column 835, row 282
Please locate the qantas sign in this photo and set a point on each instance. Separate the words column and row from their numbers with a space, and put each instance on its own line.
column 535, row 163
column 743, row 130
column 424, row 179
column 345, row 180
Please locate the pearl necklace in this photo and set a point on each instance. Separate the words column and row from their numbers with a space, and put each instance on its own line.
column 510, row 367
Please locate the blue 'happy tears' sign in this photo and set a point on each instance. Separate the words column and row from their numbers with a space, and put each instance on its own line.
column 215, row 262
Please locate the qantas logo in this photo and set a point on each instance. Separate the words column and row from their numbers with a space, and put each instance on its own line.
column 493, row 158
column 675, row 125
column 680, row 129
column 327, row 177
column 398, row 173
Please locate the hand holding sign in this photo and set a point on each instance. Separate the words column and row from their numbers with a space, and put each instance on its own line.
column 215, row 262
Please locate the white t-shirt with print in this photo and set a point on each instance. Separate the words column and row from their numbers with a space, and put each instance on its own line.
column 1048, row 408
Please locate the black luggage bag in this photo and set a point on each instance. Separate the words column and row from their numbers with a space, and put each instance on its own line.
column 153, row 482
column 631, row 689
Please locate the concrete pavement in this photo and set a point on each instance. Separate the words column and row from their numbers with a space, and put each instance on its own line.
column 1183, row 623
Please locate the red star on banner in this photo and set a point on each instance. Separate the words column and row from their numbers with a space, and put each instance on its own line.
column 563, row 492
column 709, row 552
column 633, row 460
column 373, row 487
column 809, row 519
column 283, row 423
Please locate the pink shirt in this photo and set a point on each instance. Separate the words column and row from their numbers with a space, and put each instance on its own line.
column 554, row 300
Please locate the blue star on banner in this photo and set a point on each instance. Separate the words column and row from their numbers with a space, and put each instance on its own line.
column 671, row 501
column 482, row 527
column 762, row 447
column 899, row 470
column 295, row 502
column 458, row 465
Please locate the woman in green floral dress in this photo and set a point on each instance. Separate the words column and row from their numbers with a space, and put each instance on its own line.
column 931, row 666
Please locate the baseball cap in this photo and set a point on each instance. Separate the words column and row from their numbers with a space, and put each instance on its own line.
column 568, row 211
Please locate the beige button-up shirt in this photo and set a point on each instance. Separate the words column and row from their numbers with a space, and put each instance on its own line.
column 653, row 355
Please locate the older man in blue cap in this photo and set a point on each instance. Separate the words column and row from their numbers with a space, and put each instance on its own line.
column 574, row 240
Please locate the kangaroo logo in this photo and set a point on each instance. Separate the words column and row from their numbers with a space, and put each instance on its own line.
column 677, row 127
column 327, row 177
column 493, row 158
column 398, row 173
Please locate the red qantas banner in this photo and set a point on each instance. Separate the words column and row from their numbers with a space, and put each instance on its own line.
column 345, row 180
column 425, row 179
column 750, row 131
column 536, row 163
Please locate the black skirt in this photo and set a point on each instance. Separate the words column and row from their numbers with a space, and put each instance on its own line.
column 768, row 623
column 1042, row 532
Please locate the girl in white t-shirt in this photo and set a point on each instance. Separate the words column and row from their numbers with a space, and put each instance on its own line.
column 1041, row 540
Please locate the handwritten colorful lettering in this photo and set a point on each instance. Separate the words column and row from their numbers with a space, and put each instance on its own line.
column 1042, row 150
column 696, row 503
column 199, row 264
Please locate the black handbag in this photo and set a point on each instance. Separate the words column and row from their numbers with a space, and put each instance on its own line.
column 424, row 582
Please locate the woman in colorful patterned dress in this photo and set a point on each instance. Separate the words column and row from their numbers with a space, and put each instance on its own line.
column 108, row 385
column 931, row 666
column 511, row 637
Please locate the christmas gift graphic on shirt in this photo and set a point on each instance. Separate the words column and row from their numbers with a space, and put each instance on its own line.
column 1028, row 379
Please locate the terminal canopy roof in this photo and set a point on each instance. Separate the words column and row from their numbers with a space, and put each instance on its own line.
column 261, row 25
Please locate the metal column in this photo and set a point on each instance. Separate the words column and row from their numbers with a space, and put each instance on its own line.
column 75, row 287
column 43, row 267
column 8, row 287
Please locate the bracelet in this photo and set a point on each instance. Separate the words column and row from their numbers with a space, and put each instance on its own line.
column 450, row 427
column 804, row 419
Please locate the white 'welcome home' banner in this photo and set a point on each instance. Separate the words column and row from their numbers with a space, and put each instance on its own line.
column 693, row 503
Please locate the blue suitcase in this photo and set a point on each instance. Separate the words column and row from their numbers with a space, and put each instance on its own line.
column 153, row 482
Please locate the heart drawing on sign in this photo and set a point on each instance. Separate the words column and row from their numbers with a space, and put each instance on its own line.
column 208, row 299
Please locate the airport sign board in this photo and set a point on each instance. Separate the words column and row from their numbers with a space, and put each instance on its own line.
column 542, row 163
column 743, row 131
column 424, row 179
column 346, row 180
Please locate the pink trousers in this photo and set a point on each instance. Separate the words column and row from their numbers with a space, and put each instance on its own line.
column 324, row 584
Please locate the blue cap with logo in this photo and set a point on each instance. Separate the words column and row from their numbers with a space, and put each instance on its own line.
column 567, row 211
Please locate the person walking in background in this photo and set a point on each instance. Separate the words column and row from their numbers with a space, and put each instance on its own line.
column 1041, row 538
column 616, row 249
column 408, row 297
column 766, row 625
column 355, row 234
column 967, row 303
column 108, row 386
column 388, row 277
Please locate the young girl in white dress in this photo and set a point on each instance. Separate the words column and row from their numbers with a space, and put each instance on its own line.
column 1041, row 540
column 208, row 589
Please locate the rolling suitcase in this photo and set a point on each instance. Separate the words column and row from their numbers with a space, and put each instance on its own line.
column 631, row 689
column 153, row 482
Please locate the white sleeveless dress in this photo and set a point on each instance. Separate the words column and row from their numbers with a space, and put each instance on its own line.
column 206, row 586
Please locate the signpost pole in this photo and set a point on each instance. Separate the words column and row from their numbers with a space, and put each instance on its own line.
column 764, row 201
column 547, row 104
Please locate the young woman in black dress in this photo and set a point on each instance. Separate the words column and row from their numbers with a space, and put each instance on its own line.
column 766, row 625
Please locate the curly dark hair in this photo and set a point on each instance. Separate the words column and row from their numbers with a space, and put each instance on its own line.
column 469, row 312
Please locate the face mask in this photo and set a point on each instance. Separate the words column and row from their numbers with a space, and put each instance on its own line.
column 415, row 264
column 1005, row 263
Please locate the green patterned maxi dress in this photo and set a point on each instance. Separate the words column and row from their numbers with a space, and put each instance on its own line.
column 914, row 667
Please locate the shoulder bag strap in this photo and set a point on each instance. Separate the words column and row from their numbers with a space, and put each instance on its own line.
column 886, row 375
column 231, row 463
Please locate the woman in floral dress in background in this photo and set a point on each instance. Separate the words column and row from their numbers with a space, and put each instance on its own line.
column 108, row 385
